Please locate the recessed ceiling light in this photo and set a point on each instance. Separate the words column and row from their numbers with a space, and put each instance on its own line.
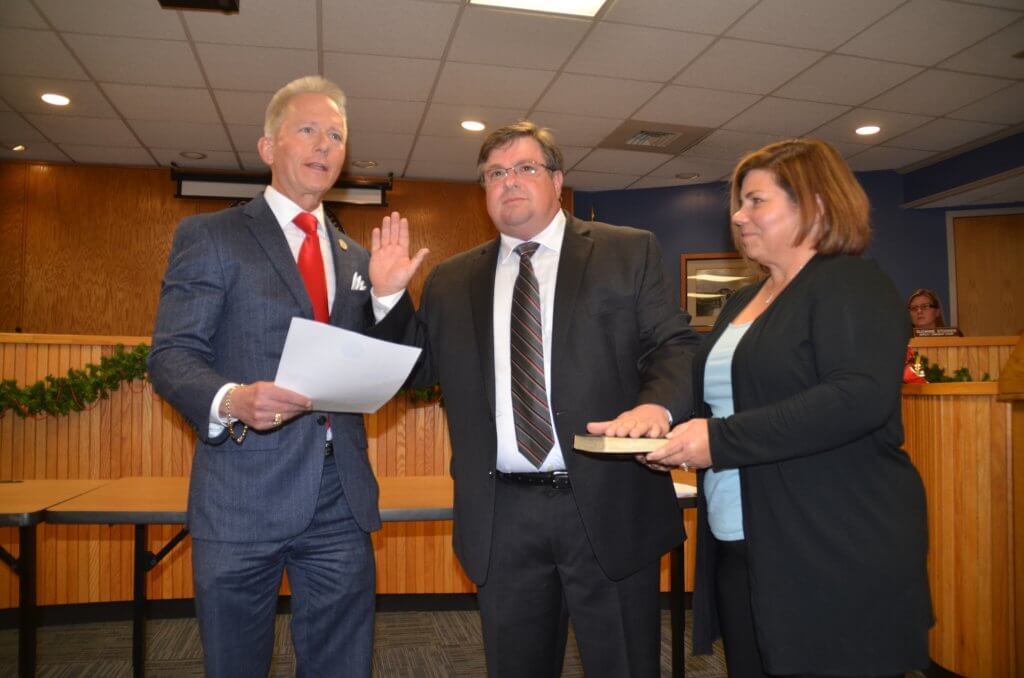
column 364, row 164
column 868, row 130
column 473, row 125
column 688, row 176
column 573, row 7
column 19, row 148
column 55, row 99
column 193, row 155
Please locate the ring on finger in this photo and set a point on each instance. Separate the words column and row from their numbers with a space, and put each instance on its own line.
column 278, row 419
column 684, row 466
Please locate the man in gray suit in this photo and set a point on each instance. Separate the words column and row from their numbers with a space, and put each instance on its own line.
column 274, row 485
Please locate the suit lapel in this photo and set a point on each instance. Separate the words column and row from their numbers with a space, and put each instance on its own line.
column 481, row 295
column 572, row 264
column 269, row 235
column 343, row 272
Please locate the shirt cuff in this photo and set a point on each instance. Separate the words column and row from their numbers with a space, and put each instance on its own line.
column 383, row 305
column 218, row 423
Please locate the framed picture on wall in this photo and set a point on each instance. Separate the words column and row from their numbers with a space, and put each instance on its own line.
column 708, row 280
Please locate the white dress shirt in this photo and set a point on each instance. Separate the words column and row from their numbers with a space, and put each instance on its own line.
column 285, row 211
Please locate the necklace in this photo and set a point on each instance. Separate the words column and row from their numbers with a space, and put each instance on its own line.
column 782, row 286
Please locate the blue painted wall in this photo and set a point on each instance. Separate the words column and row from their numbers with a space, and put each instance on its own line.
column 910, row 245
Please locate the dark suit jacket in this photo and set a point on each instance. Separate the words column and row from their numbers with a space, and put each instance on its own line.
column 617, row 341
column 230, row 291
column 833, row 510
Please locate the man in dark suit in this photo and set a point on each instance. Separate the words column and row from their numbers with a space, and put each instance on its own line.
column 274, row 485
column 555, row 324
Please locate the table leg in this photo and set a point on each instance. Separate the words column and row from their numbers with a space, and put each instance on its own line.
column 27, row 602
column 139, row 603
column 677, row 599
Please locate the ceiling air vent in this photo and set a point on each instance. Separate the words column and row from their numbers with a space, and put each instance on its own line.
column 654, row 137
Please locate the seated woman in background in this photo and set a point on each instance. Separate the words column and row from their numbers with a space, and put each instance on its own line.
column 926, row 311
column 812, row 529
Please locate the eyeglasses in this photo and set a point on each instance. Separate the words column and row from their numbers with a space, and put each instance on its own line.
column 921, row 307
column 525, row 170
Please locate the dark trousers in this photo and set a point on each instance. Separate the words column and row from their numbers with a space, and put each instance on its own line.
column 332, row 577
column 542, row 572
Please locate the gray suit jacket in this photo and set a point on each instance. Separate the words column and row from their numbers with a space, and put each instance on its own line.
column 230, row 291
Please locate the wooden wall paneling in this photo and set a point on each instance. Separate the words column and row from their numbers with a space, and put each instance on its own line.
column 989, row 255
column 13, row 190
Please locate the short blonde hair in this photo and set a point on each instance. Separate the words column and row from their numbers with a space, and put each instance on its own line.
column 809, row 170
column 310, row 84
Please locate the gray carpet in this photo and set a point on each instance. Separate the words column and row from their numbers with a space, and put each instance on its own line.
column 408, row 645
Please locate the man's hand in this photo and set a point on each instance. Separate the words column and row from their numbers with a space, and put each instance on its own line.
column 260, row 403
column 391, row 269
column 643, row 420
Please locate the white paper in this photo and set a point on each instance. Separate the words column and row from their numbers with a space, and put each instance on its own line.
column 340, row 370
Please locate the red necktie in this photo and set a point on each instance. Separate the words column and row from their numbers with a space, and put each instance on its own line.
column 311, row 266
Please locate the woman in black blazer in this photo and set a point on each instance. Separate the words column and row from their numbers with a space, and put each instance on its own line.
column 812, row 523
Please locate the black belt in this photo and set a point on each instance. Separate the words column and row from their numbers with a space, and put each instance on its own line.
column 556, row 479
column 329, row 448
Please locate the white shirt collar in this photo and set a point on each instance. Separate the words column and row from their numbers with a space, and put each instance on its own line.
column 285, row 210
column 550, row 238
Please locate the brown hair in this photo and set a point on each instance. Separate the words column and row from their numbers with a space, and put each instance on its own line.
column 810, row 170
column 504, row 136
column 933, row 298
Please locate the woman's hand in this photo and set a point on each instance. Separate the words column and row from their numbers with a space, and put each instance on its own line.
column 687, row 448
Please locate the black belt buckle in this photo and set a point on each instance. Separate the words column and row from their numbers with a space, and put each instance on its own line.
column 329, row 448
column 560, row 480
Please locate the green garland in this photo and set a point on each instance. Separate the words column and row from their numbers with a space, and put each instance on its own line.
column 79, row 389
column 934, row 374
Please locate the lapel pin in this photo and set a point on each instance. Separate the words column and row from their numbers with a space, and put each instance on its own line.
column 343, row 245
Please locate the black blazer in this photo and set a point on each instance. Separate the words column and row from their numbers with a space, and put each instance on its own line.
column 833, row 510
column 617, row 342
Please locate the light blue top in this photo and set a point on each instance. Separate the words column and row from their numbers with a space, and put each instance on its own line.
column 722, row 488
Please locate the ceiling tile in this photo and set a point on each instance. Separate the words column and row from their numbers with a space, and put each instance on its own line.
column 20, row 14
column 1006, row 107
column 787, row 117
column 729, row 146
column 848, row 149
column 822, row 24
column 937, row 92
column 383, row 167
column 490, row 85
column 885, row 157
column 96, row 131
column 136, row 60
column 743, row 66
column 23, row 94
column 183, row 136
column 944, row 134
column 374, row 145
column 601, row 97
column 382, row 115
column 3, row 106
column 842, row 128
column 106, row 155
column 700, row 16
column 638, row 53
column 444, row 120
column 263, row 23
column 29, row 52
column 994, row 55
column 232, row 66
column 113, row 17
column 378, row 77
column 388, row 27
column 252, row 162
column 15, row 130
column 244, row 137
column 162, row 103
column 441, row 171
column 622, row 162
column 846, row 80
column 37, row 151
column 214, row 159
column 597, row 181
column 708, row 169
column 245, row 108
column 693, row 106
column 576, row 130
column 927, row 31
column 571, row 155
column 665, row 182
column 501, row 37
column 450, row 150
